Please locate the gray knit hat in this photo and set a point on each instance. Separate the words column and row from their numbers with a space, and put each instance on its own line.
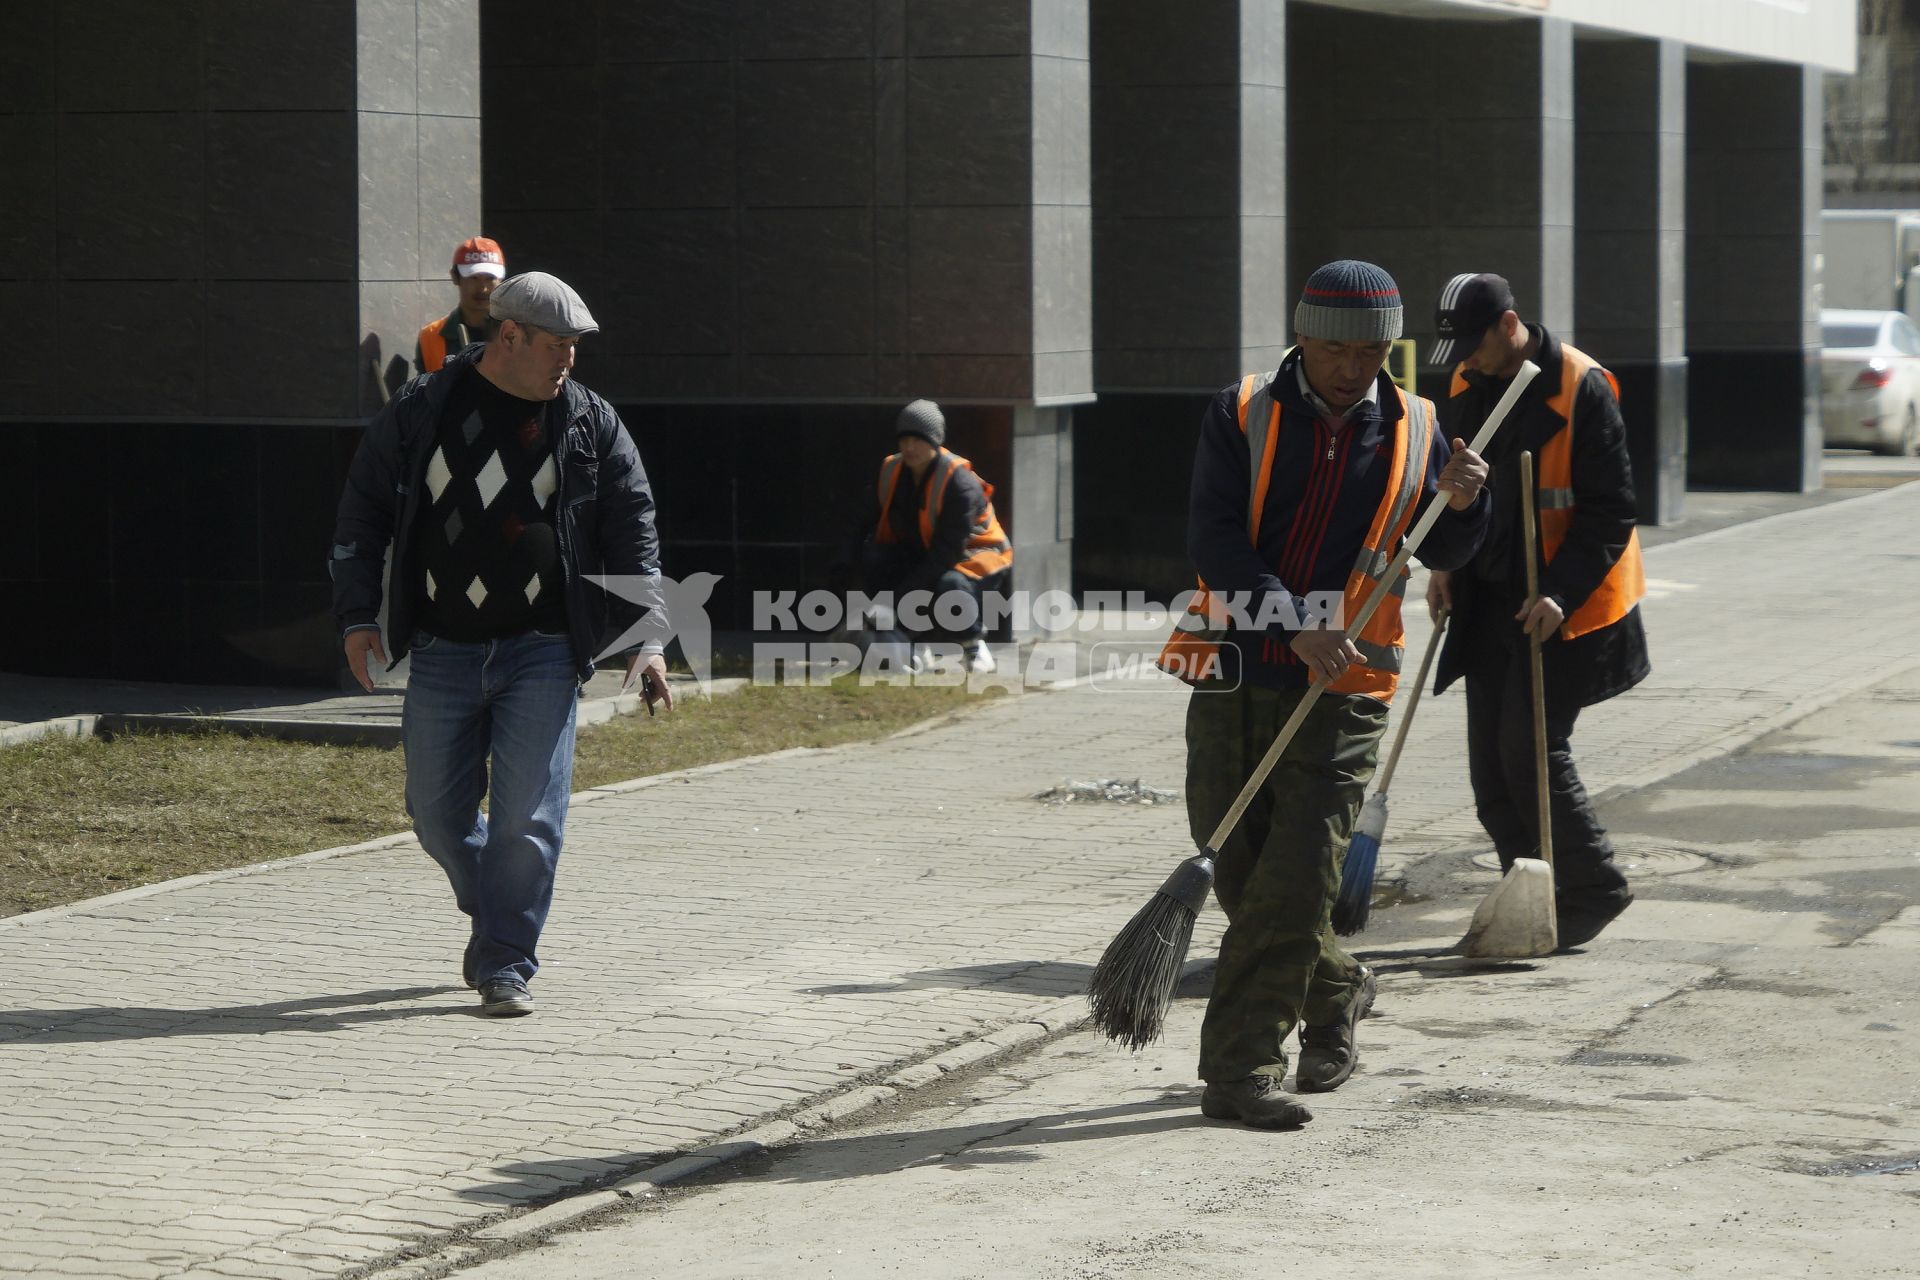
column 1349, row 301
column 923, row 418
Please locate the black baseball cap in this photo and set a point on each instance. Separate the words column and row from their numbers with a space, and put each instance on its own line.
column 1470, row 305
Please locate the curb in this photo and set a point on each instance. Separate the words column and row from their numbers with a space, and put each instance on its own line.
column 1044, row 1021
column 380, row 843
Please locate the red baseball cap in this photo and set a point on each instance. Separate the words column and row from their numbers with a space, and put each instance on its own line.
column 480, row 256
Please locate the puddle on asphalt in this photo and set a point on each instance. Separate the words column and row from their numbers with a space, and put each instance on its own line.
column 1609, row 1058
column 1862, row 1166
column 1773, row 771
column 1395, row 895
column 1106, row 791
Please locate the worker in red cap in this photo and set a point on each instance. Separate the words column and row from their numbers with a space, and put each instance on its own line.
column 478, row 265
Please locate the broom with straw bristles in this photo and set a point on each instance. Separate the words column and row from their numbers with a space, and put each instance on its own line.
column 1354, row 903
column 1134, row 981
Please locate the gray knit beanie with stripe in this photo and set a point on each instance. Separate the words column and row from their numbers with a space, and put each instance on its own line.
column 1349, row 301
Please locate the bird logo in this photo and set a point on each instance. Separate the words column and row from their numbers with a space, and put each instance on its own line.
column 670, row 608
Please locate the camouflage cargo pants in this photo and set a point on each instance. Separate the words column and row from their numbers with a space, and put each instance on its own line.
column 1280, row 869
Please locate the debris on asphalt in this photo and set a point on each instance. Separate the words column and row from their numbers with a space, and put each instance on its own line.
column 1110, row 790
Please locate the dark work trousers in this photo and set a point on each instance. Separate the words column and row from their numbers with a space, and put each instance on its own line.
column 1500, row 762
column 1279, row 870
column 885, row 565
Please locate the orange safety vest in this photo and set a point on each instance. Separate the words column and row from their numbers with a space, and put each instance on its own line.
column 1626, row 582
column 987, row 546
column 1192, row 654
column 433, row 345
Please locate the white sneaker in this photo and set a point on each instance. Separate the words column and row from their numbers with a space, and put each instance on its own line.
column 921, row 663
column 980, row 658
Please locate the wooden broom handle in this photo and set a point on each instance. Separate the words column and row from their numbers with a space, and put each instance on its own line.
column 1413, row 700
column 1538, row 681
column 1415, row 536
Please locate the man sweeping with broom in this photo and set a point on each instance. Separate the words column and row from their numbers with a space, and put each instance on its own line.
column 1587, row 616
column 1304, row 483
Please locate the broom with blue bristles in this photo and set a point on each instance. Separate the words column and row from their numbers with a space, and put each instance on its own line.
column 1351, row 908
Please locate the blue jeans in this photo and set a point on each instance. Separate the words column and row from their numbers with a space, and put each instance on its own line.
column 509, row 703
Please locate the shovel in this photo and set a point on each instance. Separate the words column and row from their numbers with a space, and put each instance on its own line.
column 1517, row 921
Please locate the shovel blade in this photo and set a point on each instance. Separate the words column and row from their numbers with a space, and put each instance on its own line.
column 1516, row 921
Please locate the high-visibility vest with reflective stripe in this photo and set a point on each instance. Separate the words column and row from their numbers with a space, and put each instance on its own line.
column 1381, row 642
column 988, row 550
column 1626, row 582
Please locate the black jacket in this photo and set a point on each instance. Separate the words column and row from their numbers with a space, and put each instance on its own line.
column 1601, row 663
column 603, row 513
column 965, row 502
column 1322, row 496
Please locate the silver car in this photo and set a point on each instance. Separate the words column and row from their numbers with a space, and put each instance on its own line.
column 1870, row 381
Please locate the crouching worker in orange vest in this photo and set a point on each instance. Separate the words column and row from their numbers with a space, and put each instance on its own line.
column 1590, row 582
column 1305, row 482
column 929, row 525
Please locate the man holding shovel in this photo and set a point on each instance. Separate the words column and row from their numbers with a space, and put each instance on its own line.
column 1590, row 582
column 1304, row 482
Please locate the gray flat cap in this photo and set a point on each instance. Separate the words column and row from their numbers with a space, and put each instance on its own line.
column 536, row 298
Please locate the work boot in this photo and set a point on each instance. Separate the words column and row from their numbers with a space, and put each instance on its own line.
column 979, row 657
column 1253, row 1100
column 1327, row 1054
column 1581, row 924
column 505, row 996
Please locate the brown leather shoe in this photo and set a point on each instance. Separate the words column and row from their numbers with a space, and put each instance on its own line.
column 1327, row 1054
column 1253, row 1100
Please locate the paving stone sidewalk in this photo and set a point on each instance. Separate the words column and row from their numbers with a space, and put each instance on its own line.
column 278, row 1073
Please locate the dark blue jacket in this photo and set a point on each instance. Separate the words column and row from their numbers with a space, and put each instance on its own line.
column 1317, row 512
column 603, row 511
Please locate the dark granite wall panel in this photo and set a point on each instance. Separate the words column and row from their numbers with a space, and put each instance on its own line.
column 659, row 31
column 969, row 28
column 280, row 196
column 803, row 29
column 1189, row 152
column 252, row 329
column 872, row 169
column 805, row 134
column 670, row 134
column 129, row 56
column 686, row 301
column 812, row 281
column 280, row 55
column 1505, row 204
column 28, row 198
column 132, row 196
column 970, row 131
column 1752, row 290
column 158, row 365
column 1629, row 260
column 29, row 66
column 968, row 267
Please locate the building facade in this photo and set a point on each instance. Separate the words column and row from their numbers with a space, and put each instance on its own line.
column 1066, row 220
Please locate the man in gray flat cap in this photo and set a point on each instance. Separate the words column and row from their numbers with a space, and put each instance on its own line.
column 504, row 487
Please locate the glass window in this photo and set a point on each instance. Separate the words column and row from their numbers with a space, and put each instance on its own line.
column 1906, row 339
column 1836, row 333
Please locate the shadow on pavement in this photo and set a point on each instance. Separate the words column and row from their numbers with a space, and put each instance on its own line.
column 319, row 1013
column 998, row 1142
column 1022, row 977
